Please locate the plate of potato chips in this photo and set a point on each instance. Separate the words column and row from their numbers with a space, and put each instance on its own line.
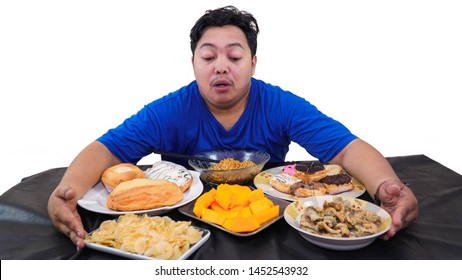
column 147, row 237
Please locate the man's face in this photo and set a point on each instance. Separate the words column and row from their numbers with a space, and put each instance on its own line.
column 223, row 66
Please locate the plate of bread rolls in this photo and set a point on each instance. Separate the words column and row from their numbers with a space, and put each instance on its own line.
column 125, row 188
column 294, row 181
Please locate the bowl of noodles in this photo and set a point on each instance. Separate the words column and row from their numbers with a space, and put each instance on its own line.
column 234, row 166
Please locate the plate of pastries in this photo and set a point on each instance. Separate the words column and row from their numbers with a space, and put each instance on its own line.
column 307, row 179
column 125, row 188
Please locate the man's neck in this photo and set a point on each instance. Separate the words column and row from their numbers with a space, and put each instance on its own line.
column 229, row 117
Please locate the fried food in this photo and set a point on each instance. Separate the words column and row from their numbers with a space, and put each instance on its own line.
column 156, row 237
column 339, row 219
column 230, row 170
column 229, row 163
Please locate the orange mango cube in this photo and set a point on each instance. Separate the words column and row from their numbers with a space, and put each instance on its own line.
column 267, row 215
column 223, row 195
column 240, row 224
column 245, row 212
column 256, row 195
column 260, row 205
column 215, row 217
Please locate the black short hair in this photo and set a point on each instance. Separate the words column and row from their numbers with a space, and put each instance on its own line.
column 228, row 15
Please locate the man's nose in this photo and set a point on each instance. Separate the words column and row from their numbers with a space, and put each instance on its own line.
column 221, row 65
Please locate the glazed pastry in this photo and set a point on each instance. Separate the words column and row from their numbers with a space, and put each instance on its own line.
column 283, row 182
column 172, row 172
column 337, row 183
column 310, row 173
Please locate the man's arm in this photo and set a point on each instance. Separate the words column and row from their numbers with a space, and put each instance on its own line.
column 368, row 165
column 83, row 173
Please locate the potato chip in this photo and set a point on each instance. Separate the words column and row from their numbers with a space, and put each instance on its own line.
column 156, row 237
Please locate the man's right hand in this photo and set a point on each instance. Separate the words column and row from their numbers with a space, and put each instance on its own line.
column 62, row 209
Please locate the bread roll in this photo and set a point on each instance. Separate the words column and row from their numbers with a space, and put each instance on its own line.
column 120, row 173
column 142, row 194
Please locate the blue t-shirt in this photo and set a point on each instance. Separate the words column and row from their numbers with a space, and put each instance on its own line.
column 181, row 122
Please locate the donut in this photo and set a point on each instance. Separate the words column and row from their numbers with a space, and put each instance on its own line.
column 120, row 173
column 310, row 173
column 171, row 172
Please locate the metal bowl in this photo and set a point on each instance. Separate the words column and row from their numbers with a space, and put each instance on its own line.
column 232, row 176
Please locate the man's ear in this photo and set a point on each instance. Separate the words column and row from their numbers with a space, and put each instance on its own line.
column 254, row 64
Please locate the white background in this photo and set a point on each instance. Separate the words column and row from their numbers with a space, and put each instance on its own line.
column 69, row 70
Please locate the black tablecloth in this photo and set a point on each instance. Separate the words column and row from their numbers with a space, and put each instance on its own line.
column 26, row 231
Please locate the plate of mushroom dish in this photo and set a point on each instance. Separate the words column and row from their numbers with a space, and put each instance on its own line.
column 337, row 222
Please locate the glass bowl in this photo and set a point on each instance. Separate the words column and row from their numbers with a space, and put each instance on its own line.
column 231, row 176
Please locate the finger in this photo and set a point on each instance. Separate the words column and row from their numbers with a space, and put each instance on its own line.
column 390, row 191
column 73, row 223
column 66, row 193
column 76, row 236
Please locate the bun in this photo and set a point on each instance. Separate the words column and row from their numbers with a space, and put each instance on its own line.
column 120, row 173
column 171, row 172
column 142, row 194
column 310, row 173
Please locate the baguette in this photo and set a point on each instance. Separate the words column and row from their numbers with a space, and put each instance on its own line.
column 143, row 194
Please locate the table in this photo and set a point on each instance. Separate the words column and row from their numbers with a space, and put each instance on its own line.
column 26, row 232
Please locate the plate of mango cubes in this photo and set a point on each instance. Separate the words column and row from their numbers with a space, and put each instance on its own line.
column 236, row 209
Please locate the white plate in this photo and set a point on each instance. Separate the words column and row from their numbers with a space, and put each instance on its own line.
column 294, row 211
column 95, row 199
column 262, row 181
column 129, row 255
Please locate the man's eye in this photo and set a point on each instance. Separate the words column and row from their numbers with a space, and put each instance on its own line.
column 235, row 58
column 207, row 58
